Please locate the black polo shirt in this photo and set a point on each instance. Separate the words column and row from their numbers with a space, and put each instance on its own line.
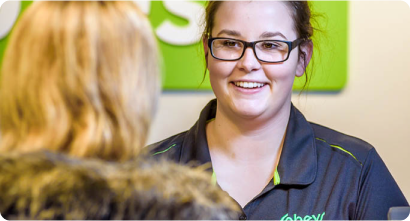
column 322, row 174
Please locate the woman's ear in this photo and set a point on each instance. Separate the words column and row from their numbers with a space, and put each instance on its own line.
column 306, row 50
column 205, row 44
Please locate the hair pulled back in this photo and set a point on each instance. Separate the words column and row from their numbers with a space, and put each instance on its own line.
column 300, row 12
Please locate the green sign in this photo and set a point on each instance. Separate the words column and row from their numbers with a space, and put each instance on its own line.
column 177, row 27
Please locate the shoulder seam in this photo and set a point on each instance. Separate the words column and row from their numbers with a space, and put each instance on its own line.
column 163, row 151
column 340, row 148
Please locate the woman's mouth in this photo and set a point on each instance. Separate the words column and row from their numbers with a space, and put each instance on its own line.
column 248, row 85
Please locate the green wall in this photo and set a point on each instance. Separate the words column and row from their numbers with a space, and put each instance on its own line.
column 184, row 65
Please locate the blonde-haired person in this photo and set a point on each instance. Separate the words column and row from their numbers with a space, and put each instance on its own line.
column 79, row 84
column 81, row 78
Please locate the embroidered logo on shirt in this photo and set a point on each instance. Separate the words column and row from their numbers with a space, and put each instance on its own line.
column 317, row 217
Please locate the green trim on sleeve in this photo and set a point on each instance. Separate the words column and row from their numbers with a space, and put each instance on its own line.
column 321, row 139
column 340, row 148
column 173, row 145
column 276, row 177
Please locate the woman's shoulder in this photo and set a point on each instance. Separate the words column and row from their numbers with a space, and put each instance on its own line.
column 169, row 148
column 352, row 161
column 349, row 146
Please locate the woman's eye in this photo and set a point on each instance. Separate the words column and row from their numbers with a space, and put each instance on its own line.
column 269, row 45
column 231, row 43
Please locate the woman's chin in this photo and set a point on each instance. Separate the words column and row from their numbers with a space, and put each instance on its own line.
column 248, row 111
column 262, row 109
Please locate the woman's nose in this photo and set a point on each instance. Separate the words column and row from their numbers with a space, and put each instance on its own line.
column 249, row 62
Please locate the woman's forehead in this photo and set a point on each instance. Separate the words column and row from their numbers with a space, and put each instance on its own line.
column 252, row 19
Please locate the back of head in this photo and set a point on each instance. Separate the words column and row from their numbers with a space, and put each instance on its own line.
column 80, row 78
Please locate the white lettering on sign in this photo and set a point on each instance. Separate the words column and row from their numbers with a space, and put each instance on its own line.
column 177, row 35
column 167, row 31
column 9, row 11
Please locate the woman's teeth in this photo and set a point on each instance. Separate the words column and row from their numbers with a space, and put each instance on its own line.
column 248, row 84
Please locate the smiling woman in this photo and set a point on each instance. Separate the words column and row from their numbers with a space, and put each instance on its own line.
column 263, row 152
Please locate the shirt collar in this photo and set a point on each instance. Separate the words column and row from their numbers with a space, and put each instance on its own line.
column 298, row 161
column 195, row 146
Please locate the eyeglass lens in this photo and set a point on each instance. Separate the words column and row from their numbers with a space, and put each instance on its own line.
column 270, row 51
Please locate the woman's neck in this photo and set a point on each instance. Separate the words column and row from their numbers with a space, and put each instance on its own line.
column 247, row 140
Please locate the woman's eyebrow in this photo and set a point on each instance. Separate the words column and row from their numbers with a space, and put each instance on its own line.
column 272, row 34
column 229, row 32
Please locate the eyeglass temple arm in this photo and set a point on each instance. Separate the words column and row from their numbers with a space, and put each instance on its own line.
column 296, row 42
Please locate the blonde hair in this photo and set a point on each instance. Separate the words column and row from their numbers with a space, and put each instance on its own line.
column 80, row 78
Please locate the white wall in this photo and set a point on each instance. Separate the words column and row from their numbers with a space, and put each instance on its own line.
column 375, row 104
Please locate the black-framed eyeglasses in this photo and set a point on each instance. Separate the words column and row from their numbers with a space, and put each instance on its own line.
column 270, row 51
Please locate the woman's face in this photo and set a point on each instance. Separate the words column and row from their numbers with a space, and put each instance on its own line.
column 252, row 21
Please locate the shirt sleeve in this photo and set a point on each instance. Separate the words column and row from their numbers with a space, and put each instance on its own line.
column 378, row 191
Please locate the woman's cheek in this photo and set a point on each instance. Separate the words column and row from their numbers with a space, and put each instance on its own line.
column 280, row 73
column 221, row 69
